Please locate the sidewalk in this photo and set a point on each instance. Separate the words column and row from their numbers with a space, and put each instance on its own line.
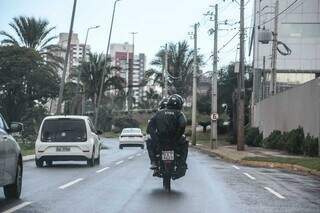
column 260, row 157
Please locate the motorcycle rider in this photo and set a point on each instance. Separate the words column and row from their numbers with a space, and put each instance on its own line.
column 151, row 144
column 168, row 126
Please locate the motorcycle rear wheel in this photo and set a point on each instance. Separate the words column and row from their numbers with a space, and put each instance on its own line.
column 167, row 183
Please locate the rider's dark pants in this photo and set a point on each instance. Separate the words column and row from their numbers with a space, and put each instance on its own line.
column 151, row 149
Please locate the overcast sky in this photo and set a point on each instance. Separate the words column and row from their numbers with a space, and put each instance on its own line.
column 156, row 21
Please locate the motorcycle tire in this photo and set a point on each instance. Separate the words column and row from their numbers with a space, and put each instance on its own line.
column 167, row 183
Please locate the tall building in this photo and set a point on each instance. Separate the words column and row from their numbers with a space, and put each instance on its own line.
column 299, row 29
column 75, row 58
column 76, row 51
column 120, row 55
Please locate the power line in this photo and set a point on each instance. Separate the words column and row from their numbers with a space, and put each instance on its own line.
column 228, row 42
column 281, row 12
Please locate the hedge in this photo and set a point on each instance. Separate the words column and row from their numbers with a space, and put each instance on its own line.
column 293, row 142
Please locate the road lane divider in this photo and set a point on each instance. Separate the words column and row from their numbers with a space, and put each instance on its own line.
column 249, row 176
column 234, row 166
column 131, row 157
column 16, row 208
column 70, row 183
column 275, row 193
column 119, row 162
column 103, row 169
column 138, row 154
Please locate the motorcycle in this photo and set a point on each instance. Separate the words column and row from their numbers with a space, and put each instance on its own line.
column 168, row 168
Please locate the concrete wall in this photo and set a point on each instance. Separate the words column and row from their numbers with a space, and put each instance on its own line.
column 299, row 106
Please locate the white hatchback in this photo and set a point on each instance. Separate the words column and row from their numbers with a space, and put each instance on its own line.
column 67, row 138
column 131, row 137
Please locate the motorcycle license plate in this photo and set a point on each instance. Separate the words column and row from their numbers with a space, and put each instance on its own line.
column 167, row 155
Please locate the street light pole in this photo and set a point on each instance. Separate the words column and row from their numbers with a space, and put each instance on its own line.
column 130, row 80
column 104, row 67
column 82, row 62
column 66, row 60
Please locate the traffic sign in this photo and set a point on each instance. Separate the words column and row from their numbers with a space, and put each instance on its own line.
column 214, row 116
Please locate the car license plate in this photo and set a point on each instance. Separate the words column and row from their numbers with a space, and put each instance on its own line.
column 167, row 155
column 63, row 149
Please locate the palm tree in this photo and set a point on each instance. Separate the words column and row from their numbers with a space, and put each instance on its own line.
column 151, row 100
column 33, row 33
column 180, row 68
column 91, row 73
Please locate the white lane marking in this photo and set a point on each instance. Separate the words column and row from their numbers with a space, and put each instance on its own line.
column 101, row 170
column 131, row 157
column 119, row 162
column 249, row 176
column 70, row 183
column 138, row 154
column 236, row 167
column 15, row 208
column 275, row 193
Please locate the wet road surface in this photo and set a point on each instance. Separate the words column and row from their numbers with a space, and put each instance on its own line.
column 123, row 183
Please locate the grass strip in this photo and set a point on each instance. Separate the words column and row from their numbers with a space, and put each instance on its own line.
column 308, row 162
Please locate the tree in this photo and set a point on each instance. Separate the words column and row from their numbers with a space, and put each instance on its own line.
column 33, row 33
column 91, row 73
column 26, row 81
column 227, row 84
column 151, row 100
column 180, row 68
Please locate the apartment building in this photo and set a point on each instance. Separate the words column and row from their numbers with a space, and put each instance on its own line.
column 121, row 55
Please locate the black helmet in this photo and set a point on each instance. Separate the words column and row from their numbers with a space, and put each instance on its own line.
column 175, row 102
column 163, row 103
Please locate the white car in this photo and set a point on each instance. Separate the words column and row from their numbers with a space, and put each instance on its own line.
column 67, row 138
column 131, row 137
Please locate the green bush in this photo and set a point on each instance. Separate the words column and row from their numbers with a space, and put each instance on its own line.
column 105, row 119
column 273, row 141
column 125, row 122
column 253, row 137
column 295, row 141
column 310, row 146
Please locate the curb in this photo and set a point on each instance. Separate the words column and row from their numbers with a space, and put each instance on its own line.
column 289, row 167
column 213, row 154
column 28, row 158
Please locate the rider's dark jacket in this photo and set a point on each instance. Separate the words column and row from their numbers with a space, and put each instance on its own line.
column 167, row 126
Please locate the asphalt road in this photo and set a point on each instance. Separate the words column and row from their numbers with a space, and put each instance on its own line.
column 123, row 183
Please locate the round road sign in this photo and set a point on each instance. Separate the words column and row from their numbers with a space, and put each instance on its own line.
column 214, row 116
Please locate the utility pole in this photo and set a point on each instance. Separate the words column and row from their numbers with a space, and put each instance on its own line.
column 127, row 80
column 264, row 78
column 104, row 67
column 130, row 78
column 194, row 87
column 66, row 60
column 214, row 92
column 273, row 80
column 241, row 86
column 165, row 94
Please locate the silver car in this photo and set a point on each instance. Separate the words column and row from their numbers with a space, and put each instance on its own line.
column 10, row 160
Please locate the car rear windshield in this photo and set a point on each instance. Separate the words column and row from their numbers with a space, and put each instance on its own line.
column 131, row 131
column 64, row 130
